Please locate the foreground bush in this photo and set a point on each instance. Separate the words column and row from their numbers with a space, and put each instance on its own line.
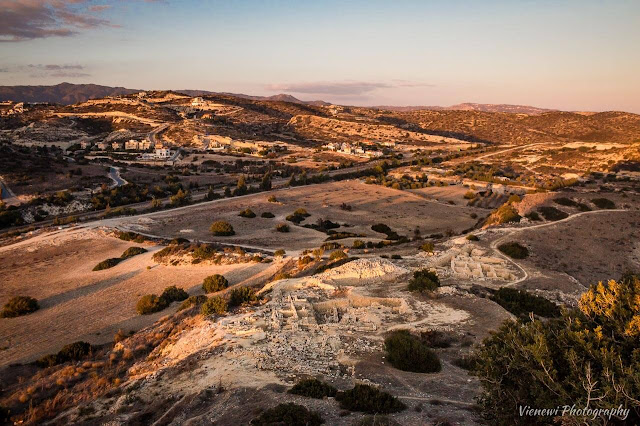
column 368, row 399
column 72, row 352
column 214, row 306
column 150, row 303
column 514, row 250
column 18, row 306
column 313, row 388
column 241, row 295
column 214, row 283
column 174, row 294
column 106, row 264
column 587, row 357
column 424, row 280
column 132, row 251
column 247, row 213
column 193, row 301
column 222, row 229
column 408, row 353
column 288, row 414
column 520, row 303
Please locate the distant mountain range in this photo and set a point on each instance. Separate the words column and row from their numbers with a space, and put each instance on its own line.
column 67, row 94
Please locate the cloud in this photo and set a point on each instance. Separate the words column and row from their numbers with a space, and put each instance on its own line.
column 344, row 88
column 53, row 70
column 22, row 20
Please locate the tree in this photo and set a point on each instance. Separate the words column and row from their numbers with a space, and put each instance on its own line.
column 214, row 283
column 589, row 357
column 265, row 184
column 424, row 280
column 241, row 186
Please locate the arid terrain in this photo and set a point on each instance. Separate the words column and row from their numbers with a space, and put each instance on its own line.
column 324, row 248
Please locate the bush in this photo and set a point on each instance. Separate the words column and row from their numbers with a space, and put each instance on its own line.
column 150, row 304
column 337, row 255
column 272, row 199
column 192, row 301
column 424, row 280
column 588, row 354
column 130, row 236
column 301, row 212
column 174, row 294
column 428, row 247
column 408, row 353
column 513, row 199
column 106, row 264
column 247, row 213
column 279, row 252
column 534, row 216
column 268, row 215
column 368, row 399
column 564, row 201
column 222, row 229
column 470, row 195
column 473, row 237
column 603, row 203
column 289, row 414
column 72, row 352
column 313, row 388
column 241, row 295
column 214, row 283
column 304, row 260
column 214, row 306
column 514, row 250
column 520, row 303
column 282, row 227
column 132, row 251
column 18, row 306
column 551, row 213
column 358, row 244
column 506, row 213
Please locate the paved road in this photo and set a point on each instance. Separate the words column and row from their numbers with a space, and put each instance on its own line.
column 114, row 175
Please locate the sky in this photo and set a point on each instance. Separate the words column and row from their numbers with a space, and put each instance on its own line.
column 578, row 55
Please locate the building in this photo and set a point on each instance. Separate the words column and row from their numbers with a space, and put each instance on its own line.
column 135, row 145
column 163, row 153
column 102, row 145
column 197, row 102
column 85, row 144
column 117, row 145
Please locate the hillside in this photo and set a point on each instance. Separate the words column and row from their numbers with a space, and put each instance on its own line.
column 63, row 93
column 467, row 106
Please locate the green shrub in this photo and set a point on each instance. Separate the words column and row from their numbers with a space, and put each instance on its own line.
column 130, row 236
column 241, row 295
column 520, row 303
column 473, row 237
column 106, row 264
column 470, row 195
column 313, row 388
column 150, row 303
column 301, row 212
column 358, row 244
column 72, row 352
column 428, row 247
column 534, row 216
column 214, row 283
column 272, row 199
column 603, row 203
column 174, row 294
column 513, row 198
column 368, row 399
column 506, row 213
column 564, row 201
column 214, row 306
column 18, row 306
column 279, row 252
column 268, row 215
column 408, row 353
column 564, row 360
column 288, row 414
column 424, row 280
column 222, row 229
column 282, row 227
column 551, row 213
column 337, row 255
column 192, row 301
column 304, row 260
column 247, row 213
column 514, row 250
column 132, row 251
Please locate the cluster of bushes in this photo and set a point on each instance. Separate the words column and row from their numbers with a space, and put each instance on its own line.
column 150, row 303
column 552, row 213
column 514, row 250
column 603, row 203
column 404, row 182
column 587, row 357
column 289, row 414
column 407, row 352
column 130, row 236
column 72, row 352
column 385, row 229
column 113, row 261
column 521, row 303
column 221, row 228
column 18, row 306
column 247, row 213
column 298, row 216
column 214, row 283
column 313, row 388
column 568, row 202
column 424, row 280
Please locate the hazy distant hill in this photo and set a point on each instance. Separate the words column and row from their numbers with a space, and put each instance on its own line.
column 513, row 109
column 63, row 93
column 282, row 97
